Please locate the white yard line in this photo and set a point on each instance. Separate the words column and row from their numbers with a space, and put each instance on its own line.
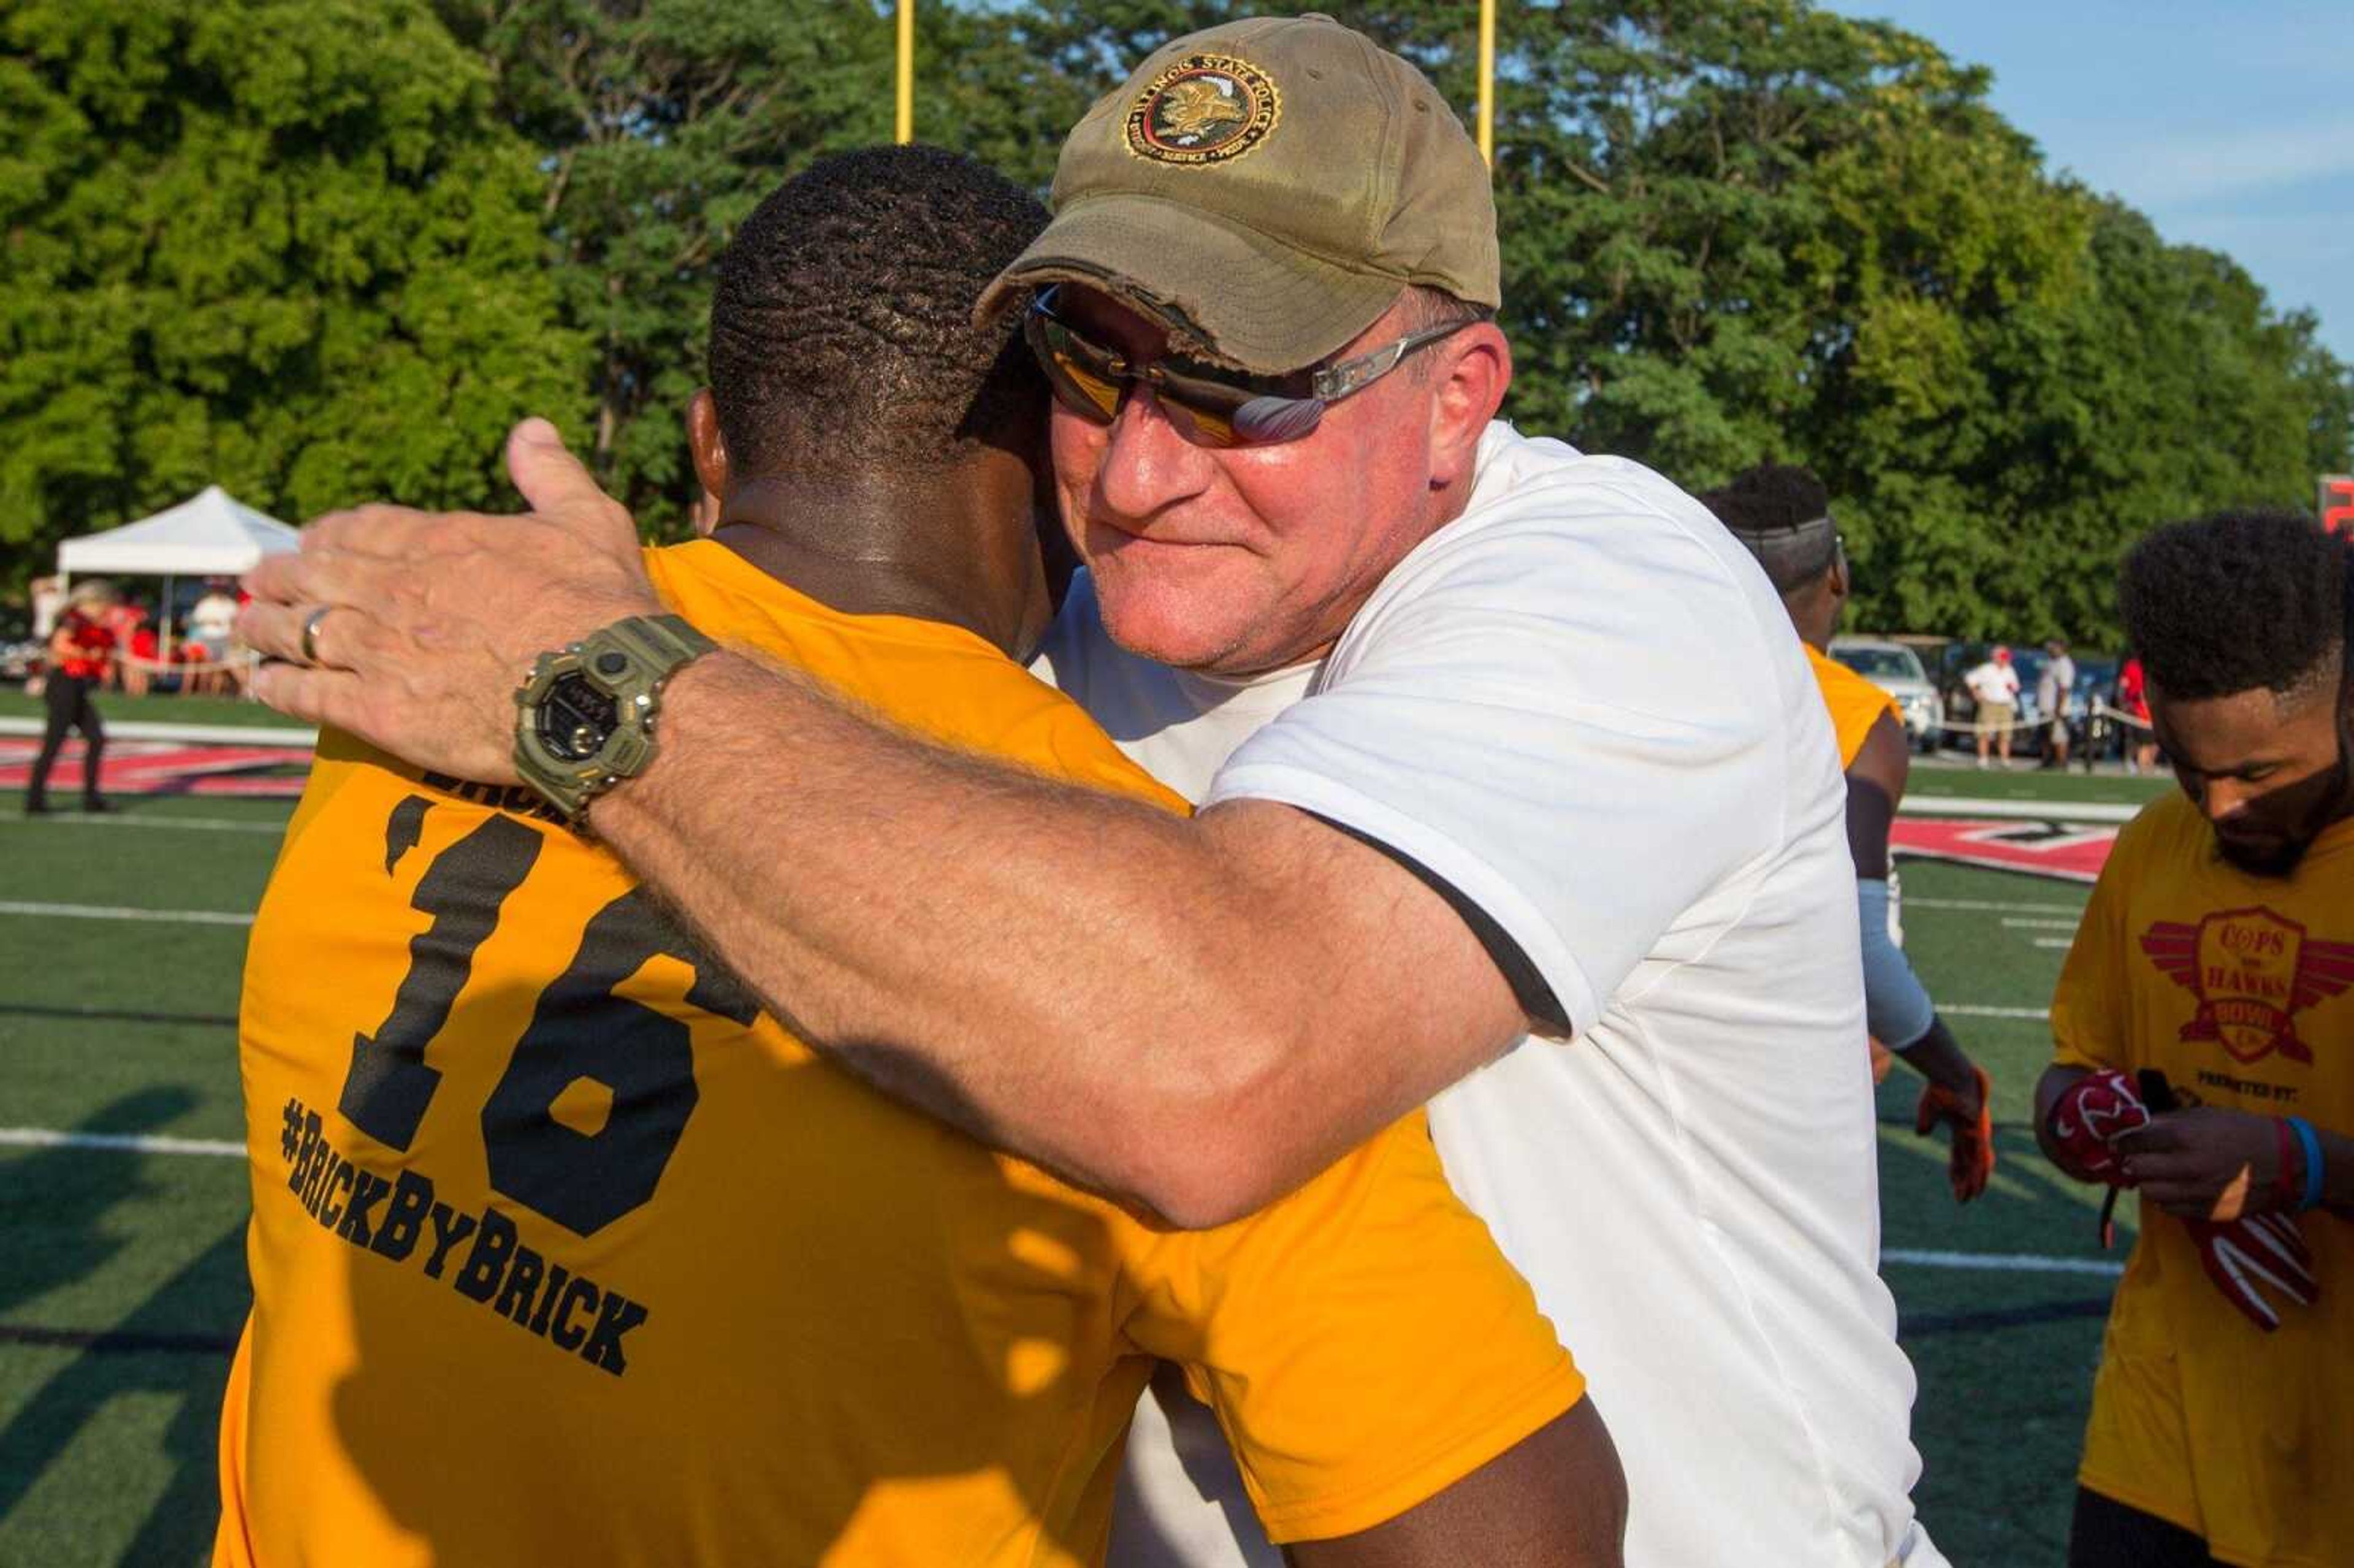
column 43, row 1138
column 120, row 819
column 1988, row 1262
column 2020, row 922
column 2029, row 810
column 1991, row 906
column 183, row 734
column 1966, row 1010
column 2062, row 943
column 116, row 912
column 2003, row 1262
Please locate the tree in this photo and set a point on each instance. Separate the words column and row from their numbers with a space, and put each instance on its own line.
column 664, row 122
column 277, row 244
column 1731, row 229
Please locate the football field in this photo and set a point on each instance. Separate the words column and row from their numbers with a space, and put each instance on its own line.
column 123, row 1194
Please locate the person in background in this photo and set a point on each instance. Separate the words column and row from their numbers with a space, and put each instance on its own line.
column 136, row 652
column 122, row 620
column 1994, row 685
column 79, row 650
column 2054, row 689
column 2203, row 1036
column 2133, row 701
column 212, row 627
column 1781, row 514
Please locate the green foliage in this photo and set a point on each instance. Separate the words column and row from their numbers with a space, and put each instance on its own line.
column 1731, row 229
column 660, row 124
column 664, row 122
column 1742, row 229
column 277, row 244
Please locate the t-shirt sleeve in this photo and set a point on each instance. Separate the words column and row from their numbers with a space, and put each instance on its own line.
column 2091, row 1020
column 1580, row 736
column 1363, row 1342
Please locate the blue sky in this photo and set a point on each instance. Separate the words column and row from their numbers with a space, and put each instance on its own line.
column 2230, row 122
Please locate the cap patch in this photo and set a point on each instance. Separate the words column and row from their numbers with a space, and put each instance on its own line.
column 1205, row 108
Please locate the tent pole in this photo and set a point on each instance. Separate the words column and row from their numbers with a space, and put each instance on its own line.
column 163, row 648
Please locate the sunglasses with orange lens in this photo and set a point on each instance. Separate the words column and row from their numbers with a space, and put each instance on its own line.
column 1212, row 405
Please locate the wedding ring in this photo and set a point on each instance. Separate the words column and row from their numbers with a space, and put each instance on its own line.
column 311, row 633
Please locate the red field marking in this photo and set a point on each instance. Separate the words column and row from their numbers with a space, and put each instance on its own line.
column 2062, row 852
column 163, row 767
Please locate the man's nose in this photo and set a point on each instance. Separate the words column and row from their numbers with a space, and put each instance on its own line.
column 2223, row 798
column 1148, row 463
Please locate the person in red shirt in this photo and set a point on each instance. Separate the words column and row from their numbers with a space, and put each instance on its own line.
column 79, row 650
column 2141, row 748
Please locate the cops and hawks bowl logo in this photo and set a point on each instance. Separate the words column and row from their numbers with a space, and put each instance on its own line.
column 2252, row 971
column 1205, row 108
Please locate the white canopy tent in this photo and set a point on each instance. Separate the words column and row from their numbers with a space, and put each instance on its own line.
column 213, row 535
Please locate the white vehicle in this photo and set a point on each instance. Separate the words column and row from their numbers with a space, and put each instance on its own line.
column 1897, row 670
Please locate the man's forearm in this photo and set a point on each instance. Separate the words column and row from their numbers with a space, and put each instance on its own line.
column 879, row 892
column 1938, row 1057
column 1113, row 990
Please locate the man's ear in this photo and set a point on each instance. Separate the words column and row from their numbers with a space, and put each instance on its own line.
column 1472, row 378
column 708, row 448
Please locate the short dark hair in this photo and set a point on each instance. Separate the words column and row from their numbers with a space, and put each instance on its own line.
column 841, row 332
column 2236, row 601
column 1781, row 514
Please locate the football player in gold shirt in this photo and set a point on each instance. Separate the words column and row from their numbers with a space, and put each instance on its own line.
column 565, row 1252
column 2205, row 1054
column 1781, row 514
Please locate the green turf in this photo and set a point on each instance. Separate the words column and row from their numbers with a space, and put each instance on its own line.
column 106, row 1454
column 15, row 704
column 2028, row 783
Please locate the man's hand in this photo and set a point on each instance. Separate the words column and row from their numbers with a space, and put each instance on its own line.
column 2265, row 1249
column 433, row 619
column 2206, row 1163
column 2087, row 1118
column 1970, row 1114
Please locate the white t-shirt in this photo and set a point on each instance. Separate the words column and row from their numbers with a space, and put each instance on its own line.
column 1993, row 683
column 1581, row 705
column 2055, row 686
column 214, row 619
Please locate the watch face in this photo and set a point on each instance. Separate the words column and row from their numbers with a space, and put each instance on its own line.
column 575, row 719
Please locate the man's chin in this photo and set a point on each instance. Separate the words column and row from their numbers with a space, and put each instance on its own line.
column 2263, row 857
column 1168, row 618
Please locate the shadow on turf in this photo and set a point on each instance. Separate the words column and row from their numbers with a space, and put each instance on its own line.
column 56, row 1212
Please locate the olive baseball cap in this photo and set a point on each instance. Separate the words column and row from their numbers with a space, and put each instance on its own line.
column 1266, row 188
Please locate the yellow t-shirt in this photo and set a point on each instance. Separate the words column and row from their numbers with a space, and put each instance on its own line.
column 2236, row 988
column 1855, row 703
column 564, row 1252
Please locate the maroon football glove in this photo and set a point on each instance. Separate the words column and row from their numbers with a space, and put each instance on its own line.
column 1971, row 1161
column 2096, row 1110
column 2254, row 1249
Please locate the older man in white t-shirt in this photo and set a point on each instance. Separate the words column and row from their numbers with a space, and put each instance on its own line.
column 1579, row 710
column 1492, row 738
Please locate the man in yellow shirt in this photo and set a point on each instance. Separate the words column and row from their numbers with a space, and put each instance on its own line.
column 1781, row 514
column 2205, row 1054
column 565, row 1252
